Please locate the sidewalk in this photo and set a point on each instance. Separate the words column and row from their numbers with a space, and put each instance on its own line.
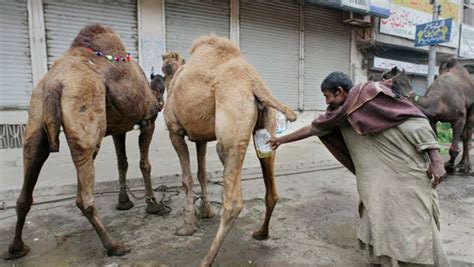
column 58, row 175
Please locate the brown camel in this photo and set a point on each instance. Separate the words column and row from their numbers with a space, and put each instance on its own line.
column 94, row 89
column 219, row 96
column 449, row 99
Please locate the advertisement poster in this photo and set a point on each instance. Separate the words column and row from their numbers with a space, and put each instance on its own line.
column 405, row 15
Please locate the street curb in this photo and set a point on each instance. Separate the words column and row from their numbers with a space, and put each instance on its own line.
column 9, row 196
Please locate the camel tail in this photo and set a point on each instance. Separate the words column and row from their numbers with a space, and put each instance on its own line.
column 265, row 98
column 52, row 116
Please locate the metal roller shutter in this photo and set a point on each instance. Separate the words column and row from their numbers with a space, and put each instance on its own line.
column 327, row 48
column 65, row 18
column 269, row 38
column 16, row 80
column 188, row 20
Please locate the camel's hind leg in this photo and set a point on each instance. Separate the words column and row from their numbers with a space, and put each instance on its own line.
column 464, row 165
column 124, row 202
column 83, row 111
column 206, row 211
column 267, row 121
column 35, row 153
column 144, row 141
column 454, row 150
column 190, row 220
column 232, row 145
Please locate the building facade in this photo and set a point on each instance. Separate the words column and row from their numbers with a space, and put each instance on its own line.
column 292, row 44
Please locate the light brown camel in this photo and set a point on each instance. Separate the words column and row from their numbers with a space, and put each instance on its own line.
column 171, row 63
column 219, row 96
column 94, row 89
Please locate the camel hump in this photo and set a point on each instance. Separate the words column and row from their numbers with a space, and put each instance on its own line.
column 52, row 115
column 264, row 96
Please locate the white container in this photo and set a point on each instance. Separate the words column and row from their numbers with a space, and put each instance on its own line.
column 281, row 124
column 261, row 138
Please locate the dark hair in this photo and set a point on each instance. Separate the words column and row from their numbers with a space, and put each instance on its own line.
column 336, row 79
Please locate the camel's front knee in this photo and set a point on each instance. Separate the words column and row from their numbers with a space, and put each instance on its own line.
column 145, row 166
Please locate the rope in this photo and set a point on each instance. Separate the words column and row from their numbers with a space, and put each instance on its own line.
column 131, row 193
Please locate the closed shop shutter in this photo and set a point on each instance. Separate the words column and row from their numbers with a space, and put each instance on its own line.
column 327, row 48
column 65, row 18
column 188, row 20
column 269, row 39
column 16, row 80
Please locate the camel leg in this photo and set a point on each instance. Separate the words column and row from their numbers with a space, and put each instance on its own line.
column 454, row 149
column 82, row 154
column 144, row 141
column 190, row 220
column 35, row 153
column 233, row 203
column 206, row 211
column 464, row 166
column 124, row 202
column 266, row 120
column 271, row 195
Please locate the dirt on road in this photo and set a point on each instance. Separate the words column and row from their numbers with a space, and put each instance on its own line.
column 314, row 224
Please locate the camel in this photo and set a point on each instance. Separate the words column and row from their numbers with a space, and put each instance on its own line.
column 93, row 90
column 172, row 61
column 219, row 96
column 124, row 203
column 450, row 98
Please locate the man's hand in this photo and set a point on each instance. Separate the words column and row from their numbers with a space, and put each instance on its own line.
column 274, row 143
column 436, row 172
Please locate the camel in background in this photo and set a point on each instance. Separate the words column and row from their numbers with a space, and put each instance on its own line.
column 219, row 96
column 94, row 89
column 450, row 98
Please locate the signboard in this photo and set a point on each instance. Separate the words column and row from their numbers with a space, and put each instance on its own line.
column 378, row 8
column 403, row 20
column 381, row 7
column 411, row 68
column 362, row 5
column 433, row 32
column 466, row 43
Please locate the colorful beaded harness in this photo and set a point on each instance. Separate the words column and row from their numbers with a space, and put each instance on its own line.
column 128, row 57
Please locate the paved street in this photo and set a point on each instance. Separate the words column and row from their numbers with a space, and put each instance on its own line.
column 313, row 225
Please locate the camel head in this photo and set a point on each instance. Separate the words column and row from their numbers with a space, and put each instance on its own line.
column 158, row 87
column 400, row 83
column 447, row 65
column 172, row 61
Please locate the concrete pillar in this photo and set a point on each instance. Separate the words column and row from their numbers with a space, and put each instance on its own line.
column 235, row 22
column 358, row 67
column 39, row 59
column 151, row 35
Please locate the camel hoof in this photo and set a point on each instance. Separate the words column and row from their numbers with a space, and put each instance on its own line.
column 118, row 250
column 207, row 213
column 124, row 205
column 17, row 251
column 185, row 230
column 260, row 235
column 157, row 209
column 450, row 169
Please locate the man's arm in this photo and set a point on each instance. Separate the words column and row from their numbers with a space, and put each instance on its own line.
column 299, row 134
column 436, row 169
